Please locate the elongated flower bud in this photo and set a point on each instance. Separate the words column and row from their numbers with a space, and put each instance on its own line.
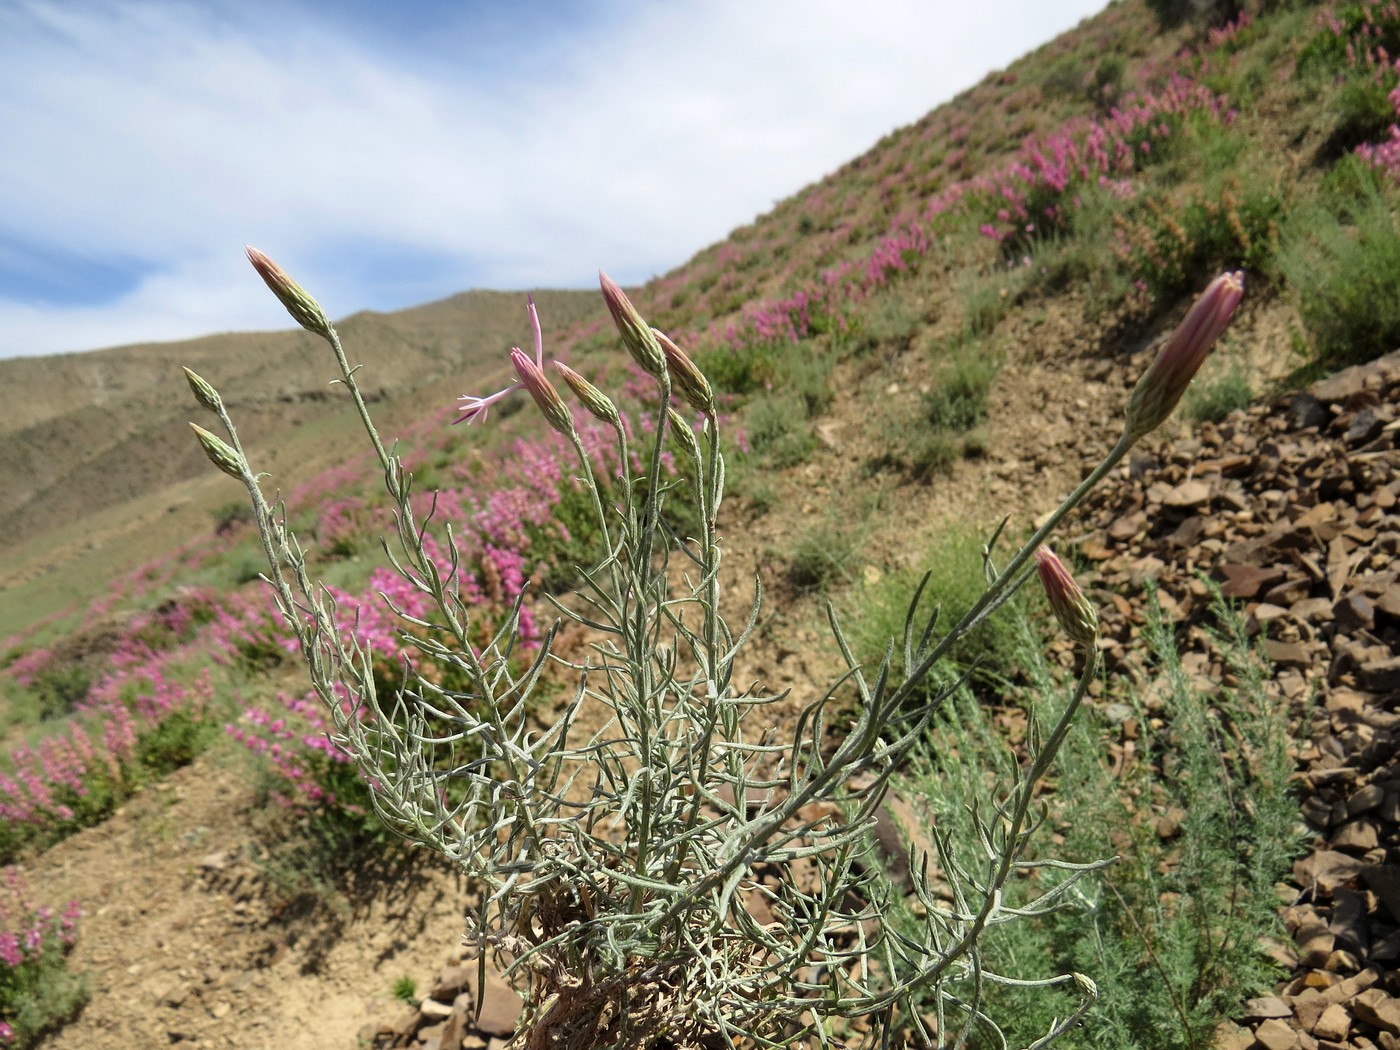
column 593, row 399
column 636, row 334
column 205, row 394
column 305, row 310
column 219, row 452
column 533, row 379
column 1167, row 378
column 685, row 436
column 1067, row 601
column 691, row 382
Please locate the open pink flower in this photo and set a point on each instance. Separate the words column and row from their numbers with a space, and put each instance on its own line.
column 478, row 407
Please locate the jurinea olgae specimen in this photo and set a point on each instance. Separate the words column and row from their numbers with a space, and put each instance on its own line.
column 621, row 866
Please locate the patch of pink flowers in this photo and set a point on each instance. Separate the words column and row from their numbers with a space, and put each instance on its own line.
column 294, row 739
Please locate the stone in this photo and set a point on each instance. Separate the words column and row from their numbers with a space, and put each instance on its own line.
column 451, row 982
column 1287, row 654
column 1274, row 1034
column 1334, row 1024
column 1267, row 1006
column 1325, row 870
column 500, row 1007
column 1375, row 1008
column 1125, row 528
column 1193, row 493
column 1365, row 799
column 1384, row 881
column 1246, row 581
column 1349, row 918
column 1380, row 675
column 1308, row 1006
column 1387, row 949
column 1306, row 412
column 434, row 1009
column 1230, row 1036
column 1356, row 836
column 1354, row 612
column 1314, row 945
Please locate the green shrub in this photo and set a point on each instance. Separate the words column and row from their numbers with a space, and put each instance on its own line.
column 58, row 690
column 821, row 557
column 806, row 373
column 778, row 432
column 741, row 369
column 958, row 399
column 1344, row 276
column 955, row 582
column 37, row 992
column 1174, row 931
column 888, row 326
column 231, row 516
column 1364, row 113
column 1175, row 246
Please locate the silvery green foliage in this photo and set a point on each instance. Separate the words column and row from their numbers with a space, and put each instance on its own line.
column 621, row 866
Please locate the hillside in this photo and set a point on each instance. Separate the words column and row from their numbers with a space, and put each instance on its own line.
column 940, row 333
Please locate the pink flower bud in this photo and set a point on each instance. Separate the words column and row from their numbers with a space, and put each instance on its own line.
column 1167, row 378
column 636, row 334
column 533, row 379
column 1073, row 611
column 305, row 310
column 688, row 379
column 589, row 395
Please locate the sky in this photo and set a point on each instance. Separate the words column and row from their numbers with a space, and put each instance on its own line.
column 387, row 155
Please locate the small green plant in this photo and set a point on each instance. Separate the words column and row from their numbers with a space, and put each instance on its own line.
column 962, row 382
column 405, row 990
column 620, row 865
column 822, row 555
column 778, row 431
column 1217, row 395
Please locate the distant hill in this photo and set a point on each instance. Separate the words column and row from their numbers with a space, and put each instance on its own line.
column 80, row 432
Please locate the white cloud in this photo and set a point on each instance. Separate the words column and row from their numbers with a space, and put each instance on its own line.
column 170, row 134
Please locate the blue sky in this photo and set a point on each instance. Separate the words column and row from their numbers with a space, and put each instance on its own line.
column 392, row 154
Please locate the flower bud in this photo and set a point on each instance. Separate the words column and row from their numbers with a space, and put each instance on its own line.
column 305, row 310
column 1067, row 601
column 688, row 379
column 1167, row 378
column 685, row 435
column 589, row 395
column 636, row 334
column 533, row 379
column 219, row 452
column 205, row 394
